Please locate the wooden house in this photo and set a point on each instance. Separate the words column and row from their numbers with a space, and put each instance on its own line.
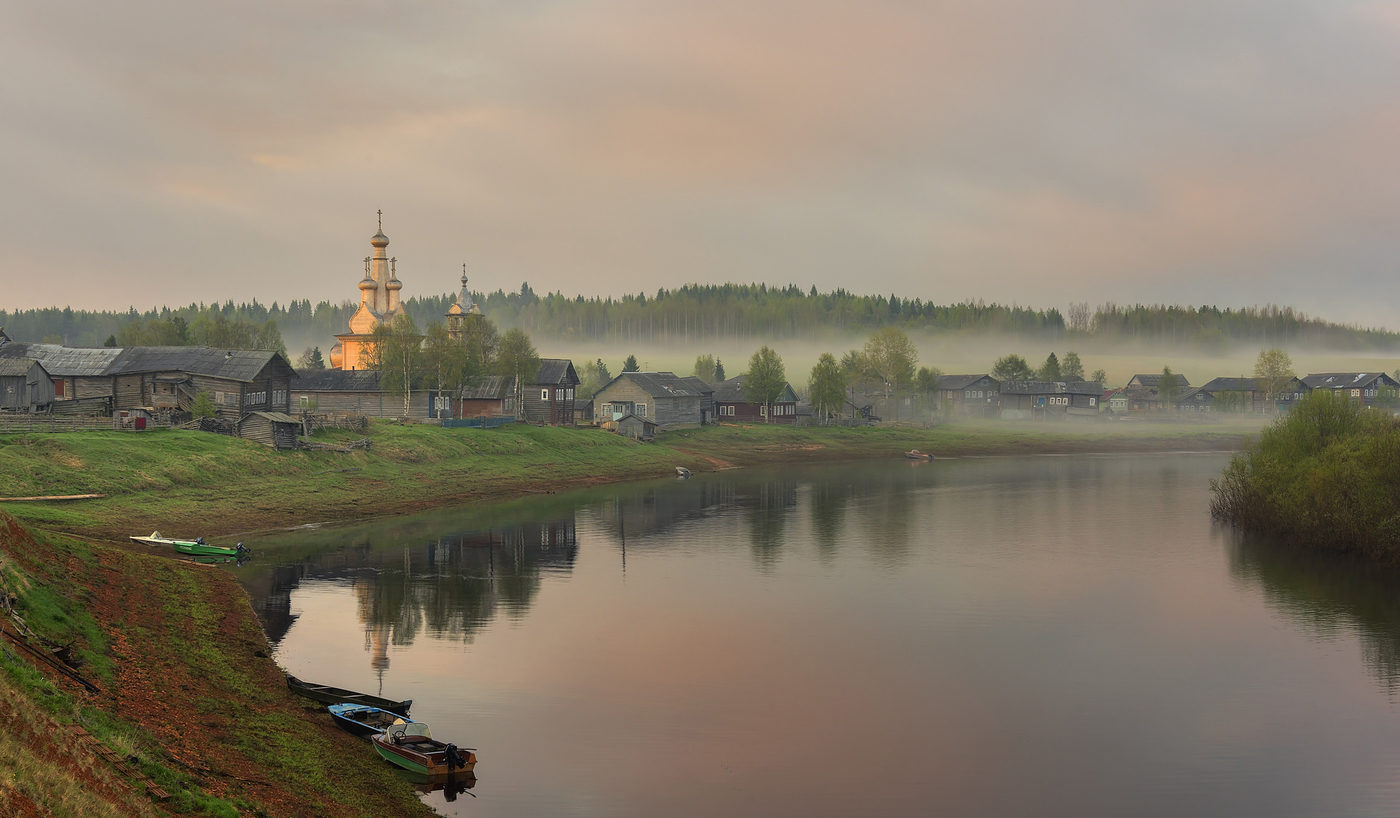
column 488, row 396
column 237, row 381
column 1143, row 393
column 24, row 385
column 969, row 395
column 549, row 398
column 354, row 392
column 1237, row 395
column 732, row 404
column 80, row 375
column 1038, row 400
column 662, row 397
column 1360, row 386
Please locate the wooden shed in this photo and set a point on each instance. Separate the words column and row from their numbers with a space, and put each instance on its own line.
column 25, row 386
column 629, row 425
column 276, row 429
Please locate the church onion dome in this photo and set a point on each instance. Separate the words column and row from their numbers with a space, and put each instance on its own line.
column 379, row 239
column 367, row 283
column 393, row 284
column 337, row 356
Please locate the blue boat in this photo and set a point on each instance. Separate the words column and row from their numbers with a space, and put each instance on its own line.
column 363, row 719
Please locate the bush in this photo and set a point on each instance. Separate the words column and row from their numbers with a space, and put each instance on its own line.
column 1326, row 475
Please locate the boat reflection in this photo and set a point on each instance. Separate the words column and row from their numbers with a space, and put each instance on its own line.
column 450, row 786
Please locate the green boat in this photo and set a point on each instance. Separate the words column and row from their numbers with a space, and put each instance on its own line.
column 196, row 547
column 412, row 747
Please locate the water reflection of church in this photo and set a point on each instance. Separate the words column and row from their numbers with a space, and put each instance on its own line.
column 449, row 586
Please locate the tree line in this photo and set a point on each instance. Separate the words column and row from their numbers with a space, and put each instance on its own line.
column 699, row 312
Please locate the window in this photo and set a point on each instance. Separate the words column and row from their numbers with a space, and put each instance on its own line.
column 544, row 394
column 569, row 393
column 607, row 408
column 304, row 401
column 641, row 410
column 1095, row 401
column 559, row 394
column 279, row 396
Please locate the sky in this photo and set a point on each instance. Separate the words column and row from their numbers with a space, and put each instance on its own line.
column 1035, row 153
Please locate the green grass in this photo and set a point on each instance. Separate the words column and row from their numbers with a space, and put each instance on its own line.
column 193, row 483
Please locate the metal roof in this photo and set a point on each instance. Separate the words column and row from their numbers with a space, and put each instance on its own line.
column 1344, row 380
column 65, row 362
column 962, row 381
column 337, row 380
column 660, row 384
column 488, row 387
column 231, row 364
column 558, row 371
column 16, row 367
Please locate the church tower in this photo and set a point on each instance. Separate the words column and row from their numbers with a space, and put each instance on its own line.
column 379, row 301
column 461, row 312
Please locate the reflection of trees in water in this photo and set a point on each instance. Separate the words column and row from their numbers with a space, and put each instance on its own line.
column 1328, row 592
column 653, row 510
column 451, row 586
column 885, row 513
column 827, row 507
column 766, row 505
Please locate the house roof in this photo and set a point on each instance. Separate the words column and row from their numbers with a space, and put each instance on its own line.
column 1345, row 380
column 231, row 364
column 488, row 387
column 17, row 367
column 961, row 381
column 337, row 380
column 659, row 384
column 700, row 386
column 65, row 362
column 1229, row 385
column 1152, row 381
column 732, row 391
column 556, row 371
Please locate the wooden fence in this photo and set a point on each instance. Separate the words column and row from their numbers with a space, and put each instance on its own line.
column 20, row 422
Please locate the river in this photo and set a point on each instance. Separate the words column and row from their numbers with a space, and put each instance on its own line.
column 1049, row 636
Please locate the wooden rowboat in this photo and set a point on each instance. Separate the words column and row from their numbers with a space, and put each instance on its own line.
column 411, row 747
column 336, row 695
column 363, row 719
column 915, row 454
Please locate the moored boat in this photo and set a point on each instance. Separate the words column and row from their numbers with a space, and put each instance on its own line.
column 196, row 547
column 336, row 695
column 915, row 454
column 363, row 719
column 412, row 747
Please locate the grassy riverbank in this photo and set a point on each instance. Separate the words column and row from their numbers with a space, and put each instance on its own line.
column 187, row 701
column 193, row 483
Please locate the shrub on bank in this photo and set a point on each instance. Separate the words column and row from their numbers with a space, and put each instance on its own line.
column 1326, row 475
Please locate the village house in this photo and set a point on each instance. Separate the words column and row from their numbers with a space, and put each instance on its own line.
column 666, row 399
column 549, row 397
column 1036, row 400
column 81, row 381
column 1361, row 386
column 969, row 395
column 487, row 396
column 1237, row 395
column 1143, row 393
column 353, row 392
column 629, row 425
column 24, row 385
column 732, row 404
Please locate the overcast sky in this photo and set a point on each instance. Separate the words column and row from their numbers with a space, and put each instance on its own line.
column 1232, row 152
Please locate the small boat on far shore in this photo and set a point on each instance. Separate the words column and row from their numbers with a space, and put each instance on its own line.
column 682, row 472
column 412, row 747
column 915, row 454
column 336, row 695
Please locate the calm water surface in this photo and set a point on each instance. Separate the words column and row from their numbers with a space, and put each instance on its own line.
column 1051, row 636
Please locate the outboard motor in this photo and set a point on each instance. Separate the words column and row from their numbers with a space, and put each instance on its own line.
column 453, row 759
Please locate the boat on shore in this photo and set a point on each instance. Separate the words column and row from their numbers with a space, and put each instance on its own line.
column 195, row 548
column 337, row 695
column 915, row 454
column 363, row 720
column 412, row 747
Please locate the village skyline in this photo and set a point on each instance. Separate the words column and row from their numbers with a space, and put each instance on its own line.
column 1007, row 151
